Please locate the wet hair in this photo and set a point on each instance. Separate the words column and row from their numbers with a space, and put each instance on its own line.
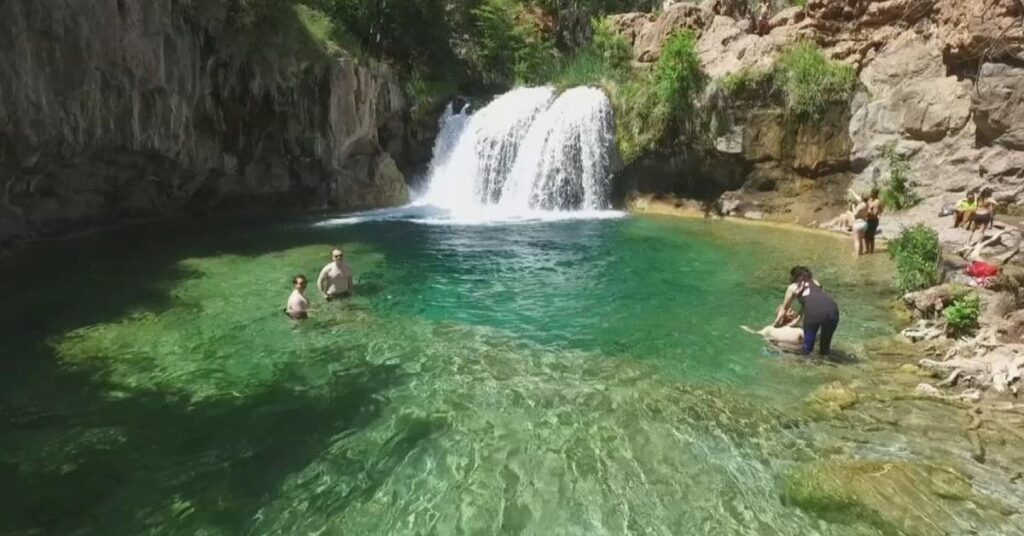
column 799, row 274
column 295, row 280
column 874, row 193
column 986, row 193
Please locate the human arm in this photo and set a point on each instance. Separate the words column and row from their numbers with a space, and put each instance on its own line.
column 786, row 303
column 796, row 321
column 321, row 281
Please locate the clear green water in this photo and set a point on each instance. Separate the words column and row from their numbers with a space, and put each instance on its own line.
column 584, row 377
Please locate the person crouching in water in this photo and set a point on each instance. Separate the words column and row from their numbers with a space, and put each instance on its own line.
column 335, row 279
column 298, row 305
column 820, row 311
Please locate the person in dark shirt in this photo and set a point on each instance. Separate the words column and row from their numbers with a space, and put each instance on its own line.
column 820, row 311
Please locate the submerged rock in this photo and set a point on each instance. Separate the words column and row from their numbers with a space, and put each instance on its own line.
column 834, row 396
column 892, row 496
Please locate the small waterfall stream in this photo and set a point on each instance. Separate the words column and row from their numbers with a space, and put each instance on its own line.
column 525, row 152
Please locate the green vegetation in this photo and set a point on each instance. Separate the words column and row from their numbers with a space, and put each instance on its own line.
column 745, row 81
column 811, row 81
column 916, row 253
column 660, row 106
column 604, row 62
column 962, row 315
column 897, row 193
column 808, row 82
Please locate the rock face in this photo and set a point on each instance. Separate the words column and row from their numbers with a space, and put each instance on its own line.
column 941, row 81
column 120, row 109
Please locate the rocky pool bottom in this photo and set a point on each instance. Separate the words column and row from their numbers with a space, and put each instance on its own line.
column 574, row 377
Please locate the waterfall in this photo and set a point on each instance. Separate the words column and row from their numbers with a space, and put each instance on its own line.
column 523, row 153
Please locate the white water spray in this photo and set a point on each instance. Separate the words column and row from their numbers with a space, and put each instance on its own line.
column 525, row 153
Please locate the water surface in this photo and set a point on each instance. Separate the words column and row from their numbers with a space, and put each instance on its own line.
column 569, row 377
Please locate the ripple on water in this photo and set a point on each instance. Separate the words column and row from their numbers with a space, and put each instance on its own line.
column 568, row 378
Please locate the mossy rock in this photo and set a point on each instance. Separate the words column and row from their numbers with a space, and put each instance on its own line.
column 894, row 497
column 833, row 397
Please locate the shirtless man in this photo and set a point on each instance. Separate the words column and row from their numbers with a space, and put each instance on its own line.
column 298, row 304
column 875, row 208
column 335, row 279
column 788, row 336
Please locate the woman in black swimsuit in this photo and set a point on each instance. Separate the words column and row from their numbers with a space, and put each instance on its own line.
column 820, row 311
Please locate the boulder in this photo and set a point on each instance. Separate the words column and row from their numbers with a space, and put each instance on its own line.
column 971, row 29
column 999, row 106
column 931, row 108
column 651, row 37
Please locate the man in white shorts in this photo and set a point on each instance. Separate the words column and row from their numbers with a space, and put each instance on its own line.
column 335, row 279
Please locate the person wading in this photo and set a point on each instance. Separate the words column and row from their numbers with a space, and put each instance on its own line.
column 820, row 311
column 875, row 208
column 335, row 279
column 298, row 305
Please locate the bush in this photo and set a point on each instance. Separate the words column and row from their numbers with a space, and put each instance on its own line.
column 962, row 315
column 745, row 81
column 660, row 106
column 605, row 61
column 897, row 193
column 916, row 253
column 510, row 45
column 811, row 81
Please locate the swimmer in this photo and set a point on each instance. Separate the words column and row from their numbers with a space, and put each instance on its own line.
column 298, row 305
column 787, row 337
column 335, row 279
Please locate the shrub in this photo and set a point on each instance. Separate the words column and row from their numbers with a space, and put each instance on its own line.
column 962, row 315
column 744, row 81
column 811, row 81
column 604, row 61
column 897, row 193
column 510, row 45
column 678, row 76
column 660, row 106
column 916, row 253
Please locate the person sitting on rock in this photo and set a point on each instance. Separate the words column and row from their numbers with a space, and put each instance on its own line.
column 298, row 305
column 984, row 215
column 963, row 212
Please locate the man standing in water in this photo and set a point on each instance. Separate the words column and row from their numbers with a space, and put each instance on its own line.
column 298, row 303
column 875, row 208
column 335, row 279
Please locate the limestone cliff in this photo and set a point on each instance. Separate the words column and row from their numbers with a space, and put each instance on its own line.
column 118, row 109
column 940, row 80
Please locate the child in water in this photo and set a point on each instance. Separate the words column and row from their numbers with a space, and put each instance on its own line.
column 788, row 337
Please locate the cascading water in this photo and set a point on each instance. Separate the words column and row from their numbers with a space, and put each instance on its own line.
column 526, row 152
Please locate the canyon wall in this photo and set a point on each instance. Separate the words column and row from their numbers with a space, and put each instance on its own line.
column 123, row 109
column 940, row 81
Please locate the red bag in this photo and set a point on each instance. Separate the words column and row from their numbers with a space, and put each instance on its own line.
column 981, row 269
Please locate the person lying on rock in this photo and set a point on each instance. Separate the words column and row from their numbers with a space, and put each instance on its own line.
column 787, row 337
column 298, row 305
column 963, row 212
column 335, row 279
